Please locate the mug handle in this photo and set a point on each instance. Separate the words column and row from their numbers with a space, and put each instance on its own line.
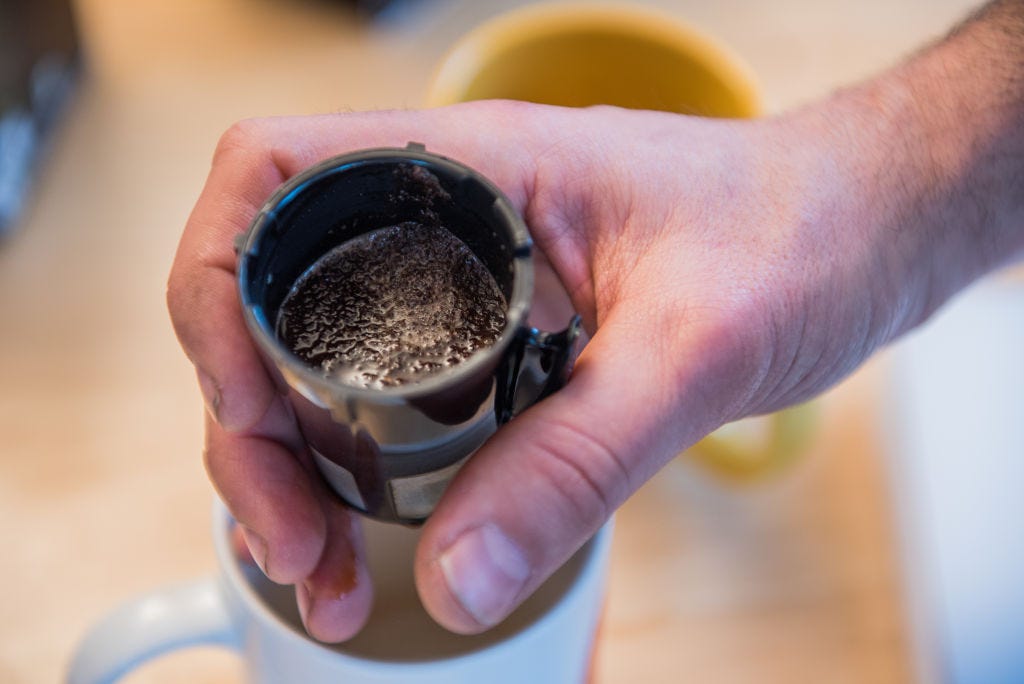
column 151, row 625
column 787, row 435
column 538, row 364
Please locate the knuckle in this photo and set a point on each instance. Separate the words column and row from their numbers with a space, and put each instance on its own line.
column 243, row 136
column 183, row 300
column 585, row 475
column 177, row 296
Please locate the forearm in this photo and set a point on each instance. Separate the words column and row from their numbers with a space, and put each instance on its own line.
column 936, row 160
column 969, row 93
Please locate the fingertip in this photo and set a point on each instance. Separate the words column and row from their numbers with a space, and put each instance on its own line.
column 335, row 600
column 270, row 494
column 476, row 581
column 286, row 548
column 441, row 604
column 255, row 546
column 333, row 620
column 291, row 556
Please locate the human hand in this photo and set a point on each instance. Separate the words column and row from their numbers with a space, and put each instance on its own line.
column 723, row 269
column 620, row 241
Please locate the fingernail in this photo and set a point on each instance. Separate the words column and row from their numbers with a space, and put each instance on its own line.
column 211, row 395
column 486, row 572
column 257, row 547
column 304, row 601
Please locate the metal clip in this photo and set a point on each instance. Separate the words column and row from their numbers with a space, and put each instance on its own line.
column 538, row 365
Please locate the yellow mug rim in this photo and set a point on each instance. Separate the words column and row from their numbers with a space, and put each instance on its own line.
column 462, row 61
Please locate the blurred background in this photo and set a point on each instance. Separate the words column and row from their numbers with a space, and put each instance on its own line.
column 889, row 553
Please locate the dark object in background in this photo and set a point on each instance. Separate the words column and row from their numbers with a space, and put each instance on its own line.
column 370, row 6
column 39, row 64
column 378, row 11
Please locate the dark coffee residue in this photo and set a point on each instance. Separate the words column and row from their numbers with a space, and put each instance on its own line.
column 393, row 306
column 418, row 186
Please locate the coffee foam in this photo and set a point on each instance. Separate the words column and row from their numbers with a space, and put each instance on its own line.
column 392, row 307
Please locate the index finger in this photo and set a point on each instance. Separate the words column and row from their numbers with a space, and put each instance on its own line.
column 253, row 158
column 253, row 451
column 201, row 293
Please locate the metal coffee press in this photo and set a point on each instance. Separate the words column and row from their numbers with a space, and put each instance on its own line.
column 391, row 452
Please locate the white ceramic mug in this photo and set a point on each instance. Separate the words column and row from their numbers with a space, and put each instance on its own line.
column 550, row 638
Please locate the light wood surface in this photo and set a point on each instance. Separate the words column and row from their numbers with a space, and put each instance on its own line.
column 102, row 491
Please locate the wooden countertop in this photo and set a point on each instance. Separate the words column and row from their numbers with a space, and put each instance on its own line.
column 102, row 491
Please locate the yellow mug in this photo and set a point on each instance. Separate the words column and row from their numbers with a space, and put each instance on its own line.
column 581, row 54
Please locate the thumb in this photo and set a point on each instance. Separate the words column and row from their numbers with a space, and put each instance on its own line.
column 547, row 481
